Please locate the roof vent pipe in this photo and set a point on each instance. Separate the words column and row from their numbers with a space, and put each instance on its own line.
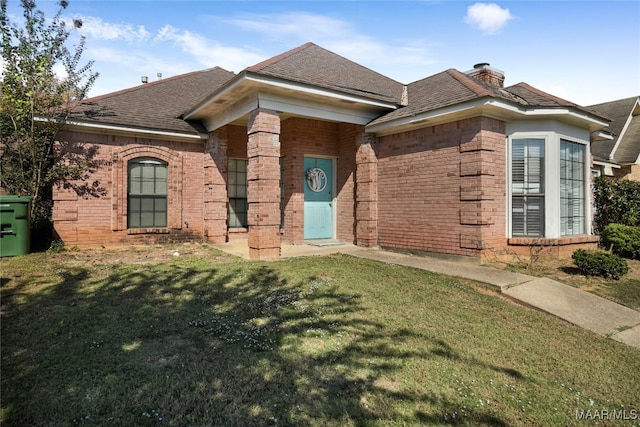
column 144, row 79
column 159, row 76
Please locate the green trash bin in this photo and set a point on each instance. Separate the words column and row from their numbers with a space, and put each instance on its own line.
column 15, row 225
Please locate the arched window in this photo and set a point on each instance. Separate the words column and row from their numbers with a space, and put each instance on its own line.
column 147, row 193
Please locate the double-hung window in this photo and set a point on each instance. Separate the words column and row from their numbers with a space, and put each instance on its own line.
column 237, row 189
column 147, row 193
column 527, row 187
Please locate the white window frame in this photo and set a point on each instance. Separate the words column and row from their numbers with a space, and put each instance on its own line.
column 552, row 220
column 586, row 188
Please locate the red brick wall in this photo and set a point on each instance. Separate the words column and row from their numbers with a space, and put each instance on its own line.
column 302, row 137
column 442, row 188
column 346, row 171
column 630, row 172
column 94, row 221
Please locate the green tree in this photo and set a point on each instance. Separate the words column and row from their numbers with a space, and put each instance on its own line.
column 36, row 103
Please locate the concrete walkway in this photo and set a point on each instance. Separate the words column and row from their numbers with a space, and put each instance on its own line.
column 581, row 308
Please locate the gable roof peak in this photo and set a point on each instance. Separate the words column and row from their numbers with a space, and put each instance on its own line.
column 261, row 65
column 314, row 65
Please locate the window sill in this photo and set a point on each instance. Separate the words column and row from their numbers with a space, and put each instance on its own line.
column 147, row 231
column 238, row 230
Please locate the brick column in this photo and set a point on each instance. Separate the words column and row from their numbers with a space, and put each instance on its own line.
column 215, row 190
column 366, row 190
column 483, row 187
column 263, row 175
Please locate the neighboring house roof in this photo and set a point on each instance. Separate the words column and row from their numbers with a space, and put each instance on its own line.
column 452, row 87
column 314, row 65
column 624, row 145
column 153, row 106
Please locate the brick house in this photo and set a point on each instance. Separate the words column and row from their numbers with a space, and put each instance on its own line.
column 311, row 146
column 616, row 149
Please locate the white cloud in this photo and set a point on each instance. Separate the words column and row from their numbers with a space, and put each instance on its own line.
column 487, row 17
column 123, row 52
column 206, row 51
column 340, row 37
column 98, row 29
column 300, row 25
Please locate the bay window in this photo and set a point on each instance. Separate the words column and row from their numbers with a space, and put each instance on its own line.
column 547, row 185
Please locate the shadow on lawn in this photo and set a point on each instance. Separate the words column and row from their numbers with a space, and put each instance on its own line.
column 237, row 345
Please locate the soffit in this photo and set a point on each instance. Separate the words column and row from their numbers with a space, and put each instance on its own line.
column 232, row 103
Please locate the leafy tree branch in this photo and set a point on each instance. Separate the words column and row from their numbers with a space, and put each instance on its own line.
column 36, row 103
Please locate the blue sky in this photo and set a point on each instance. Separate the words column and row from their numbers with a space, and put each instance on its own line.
column 585, row 51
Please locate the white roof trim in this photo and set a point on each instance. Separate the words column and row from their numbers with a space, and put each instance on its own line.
column 123, row 129
column 605, row 163
column 214, row 96
column 530, row 112
column 602, row 135
column 314, row 90
column 317, row 110
column 230, row 115
column 624, row 130
column 285, row 84
column 430, row 115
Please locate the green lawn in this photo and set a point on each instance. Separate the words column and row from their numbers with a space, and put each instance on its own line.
column 206, row 339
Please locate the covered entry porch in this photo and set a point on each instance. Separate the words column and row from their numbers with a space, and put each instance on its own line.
column 304, row 179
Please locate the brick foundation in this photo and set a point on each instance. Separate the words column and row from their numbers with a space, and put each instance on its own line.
column 559, row 248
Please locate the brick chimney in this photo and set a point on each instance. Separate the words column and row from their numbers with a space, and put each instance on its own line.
column 484, row 73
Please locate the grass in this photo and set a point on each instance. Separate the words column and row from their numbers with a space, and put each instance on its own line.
column 205, row 339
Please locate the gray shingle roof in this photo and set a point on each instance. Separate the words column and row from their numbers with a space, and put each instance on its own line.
column 629, row 148
column 619, row 112
column 161, row 104
column 314, row 65
column 156, row 106
column 452, row 87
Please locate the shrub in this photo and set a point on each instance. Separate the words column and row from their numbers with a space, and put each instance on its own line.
column 600, row 263
column 623, row 240
column 617, row 201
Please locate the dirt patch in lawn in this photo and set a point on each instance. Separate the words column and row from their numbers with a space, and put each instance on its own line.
column 150, row 254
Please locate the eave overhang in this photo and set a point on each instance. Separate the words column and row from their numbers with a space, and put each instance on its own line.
column 109, row 129
column 248, row 91
column 488, row 107
column 601, row 162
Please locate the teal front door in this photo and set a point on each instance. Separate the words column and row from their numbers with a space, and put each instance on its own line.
column 318, row 198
